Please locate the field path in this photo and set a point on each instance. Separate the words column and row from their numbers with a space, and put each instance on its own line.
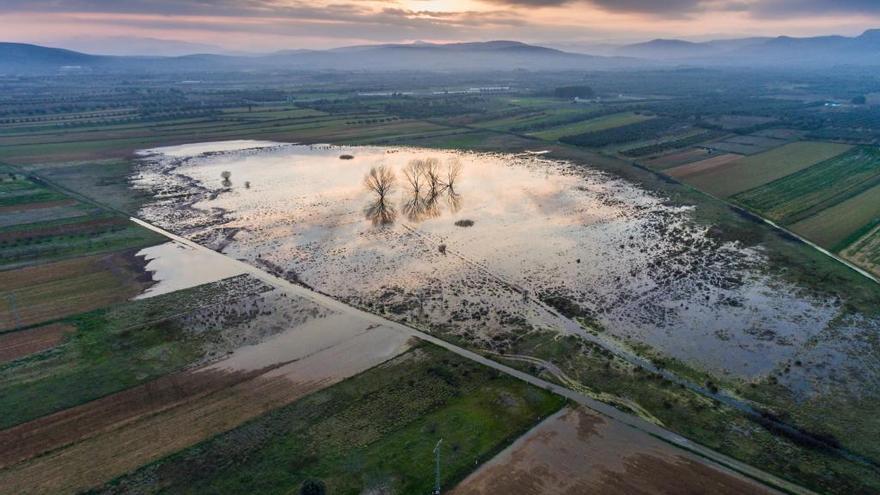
column 710, row 456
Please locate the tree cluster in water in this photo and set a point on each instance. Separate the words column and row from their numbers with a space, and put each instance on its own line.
column 426, row 187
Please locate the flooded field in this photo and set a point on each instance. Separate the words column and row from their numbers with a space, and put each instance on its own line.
column 174, row 266
column 485, row 247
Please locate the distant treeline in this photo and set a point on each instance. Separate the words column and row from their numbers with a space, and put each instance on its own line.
column 574, row 92
column 403, row 106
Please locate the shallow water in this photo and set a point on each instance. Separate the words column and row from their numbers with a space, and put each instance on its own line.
column 175, row 266
column 638, row 265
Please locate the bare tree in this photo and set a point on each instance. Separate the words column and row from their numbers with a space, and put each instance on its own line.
column 431, row 171
column 380, row 180
column 453, row 171
column 414, row 176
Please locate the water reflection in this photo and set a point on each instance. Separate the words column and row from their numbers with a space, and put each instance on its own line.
column 426, row 186
column 380, row 181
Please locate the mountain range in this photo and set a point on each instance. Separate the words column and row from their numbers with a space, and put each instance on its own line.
column 783, row 50
column 822, row 51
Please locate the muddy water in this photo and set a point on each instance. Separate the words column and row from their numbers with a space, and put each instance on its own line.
column 636, row 264
column 175, row 266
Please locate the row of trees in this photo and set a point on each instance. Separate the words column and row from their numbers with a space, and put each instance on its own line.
column 426, row 182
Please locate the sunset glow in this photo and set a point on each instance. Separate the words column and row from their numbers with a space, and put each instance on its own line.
column 259, row 25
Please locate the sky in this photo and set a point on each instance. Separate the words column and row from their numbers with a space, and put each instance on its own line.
column 111, row 26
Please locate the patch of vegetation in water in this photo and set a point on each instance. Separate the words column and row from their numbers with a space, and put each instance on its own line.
column 375, row 431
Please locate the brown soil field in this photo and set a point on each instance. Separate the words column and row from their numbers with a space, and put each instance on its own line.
column 91, row 444
column 37, row 294
column 15, row 345
column 707, row 164
column 865, row 252
column 576, row 451
column 678, row 158
column 36, row 206
column 86, row 227
column 28, row 440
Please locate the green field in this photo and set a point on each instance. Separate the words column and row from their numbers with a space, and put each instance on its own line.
column 535, row 118
column 110, row 350
column 811, row 190
column 592, row 125
column 757, row 170
column 373, row 433
column 117, row 140
column 833, row 227
column 37, row 235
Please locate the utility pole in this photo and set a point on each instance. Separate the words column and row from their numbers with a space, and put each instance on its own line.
column 437, row 473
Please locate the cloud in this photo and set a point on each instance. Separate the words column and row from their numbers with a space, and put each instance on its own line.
column 654, row 8
column 802, row 8
column 771, row 9
column 258, row 18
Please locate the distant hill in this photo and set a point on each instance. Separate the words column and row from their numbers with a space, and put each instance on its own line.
column 136, row 46
column 779, row 51
column 22, row 56
column 18, row 58
column 492, row 55
column 484, row 56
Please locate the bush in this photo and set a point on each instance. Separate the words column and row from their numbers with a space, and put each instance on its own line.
column 313, row 487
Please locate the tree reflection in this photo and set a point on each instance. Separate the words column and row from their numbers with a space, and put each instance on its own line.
column 380, row 181
column 426, row 186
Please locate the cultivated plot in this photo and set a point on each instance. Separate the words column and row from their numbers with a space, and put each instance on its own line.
column 811, row 190
column 762, row 168
column 577, row 451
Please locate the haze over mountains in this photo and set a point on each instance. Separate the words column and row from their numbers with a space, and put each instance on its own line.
column 18, row 58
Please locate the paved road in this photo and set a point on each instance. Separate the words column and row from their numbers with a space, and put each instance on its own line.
column 647, row 427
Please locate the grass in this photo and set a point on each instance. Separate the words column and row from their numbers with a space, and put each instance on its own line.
column 112, row 349
column 39, row 294
column 757, row 170
column 112, row 142
column 46, row 248
column 104, row 179
column 811, row 190
column 93, row 362
column 375, row 431
column 833, row 227
column 23, row 191
column 52, row 238
column 592, row 125
column 534, row 117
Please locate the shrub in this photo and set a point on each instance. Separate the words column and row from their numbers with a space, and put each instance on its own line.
column 313, row 487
